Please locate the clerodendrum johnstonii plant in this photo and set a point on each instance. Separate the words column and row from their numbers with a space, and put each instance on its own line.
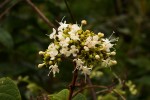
column 85, row 48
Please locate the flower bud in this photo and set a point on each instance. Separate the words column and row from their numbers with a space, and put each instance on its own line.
column 65, row 31
column 50, row 62
column 82, row 36
column 108, row 54
column 59, row 59
column 87, row 31
column 82, row 43
column 47, row 55
column 113, row 53
column 114, row 62
column 71, row 41
column 58, row 55
column 97, row 56
column 100, row 34
column 79, row 32
column 41, row 53
column 41, row 65
column 83, row 22
column 90, row 56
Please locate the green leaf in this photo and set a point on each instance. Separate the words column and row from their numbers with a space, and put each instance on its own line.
column 79, row 97
column 8, row 90
column 5, row 38
column 62, row 95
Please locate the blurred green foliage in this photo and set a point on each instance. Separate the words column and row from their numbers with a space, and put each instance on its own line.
column 23, row 35
column 8, row 90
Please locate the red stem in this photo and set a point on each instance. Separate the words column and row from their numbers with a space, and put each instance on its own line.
column 72, row 85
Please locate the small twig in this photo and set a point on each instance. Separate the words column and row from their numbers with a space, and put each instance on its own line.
column 69, row 10
column 87, row 87
column 92, row 89
column 122, row 97
column 8, row 9
column 42, row 16
column 4, row 3
column 104, row 90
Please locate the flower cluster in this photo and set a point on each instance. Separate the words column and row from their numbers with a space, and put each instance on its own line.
column 85, row 48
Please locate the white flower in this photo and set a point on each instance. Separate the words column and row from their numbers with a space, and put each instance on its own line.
column 92, row 41
column 53, row 34
column 73, row 32
column 74, row 36
column 74, row 50
column 74, row 28
column 88, row 42
column 53, row 54
column 65, row 51
column 65, row 42
column 52, row 46
column 86, row 48
column 52, row 51
column 60, row 36
column 95, row 38
column 107, row 45
column 106, row 62
column 86, row 70
column 54, row 69
column 62, row 26
column 79, row 63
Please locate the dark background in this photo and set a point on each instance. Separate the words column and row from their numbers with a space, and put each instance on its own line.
column 23, row 35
